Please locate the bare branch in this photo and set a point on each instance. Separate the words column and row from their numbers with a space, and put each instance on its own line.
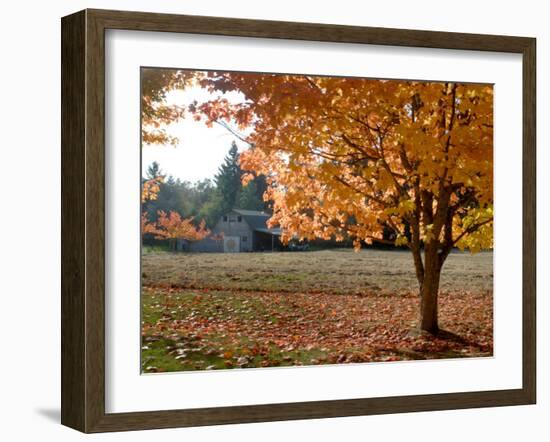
column 226, row 126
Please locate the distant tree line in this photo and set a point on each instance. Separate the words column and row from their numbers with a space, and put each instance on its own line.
column 206, row 199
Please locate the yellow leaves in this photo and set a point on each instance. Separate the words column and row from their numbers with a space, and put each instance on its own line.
column 404, row 207
column 337, row 97
column 477, row 216
column 385, row 179
column 401, row 240
column 475, row 229
column 477, row 240
column 150, row 189
column 429, row 234
column 471, row 93
column 407, row 206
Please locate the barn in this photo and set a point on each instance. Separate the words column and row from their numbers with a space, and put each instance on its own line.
column 239, row 231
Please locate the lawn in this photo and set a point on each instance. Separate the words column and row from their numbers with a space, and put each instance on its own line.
column 215, row 311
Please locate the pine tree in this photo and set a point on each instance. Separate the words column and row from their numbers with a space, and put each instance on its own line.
column 153, row 171
column 228, row 179
column 248, row 198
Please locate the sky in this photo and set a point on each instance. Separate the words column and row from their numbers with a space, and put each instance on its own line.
column 200, row 150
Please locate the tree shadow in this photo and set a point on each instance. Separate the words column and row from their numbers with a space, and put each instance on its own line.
column 446, row 335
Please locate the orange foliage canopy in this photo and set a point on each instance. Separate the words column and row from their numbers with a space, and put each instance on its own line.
column 353, row 157
column 173, row 226
column 156, row 113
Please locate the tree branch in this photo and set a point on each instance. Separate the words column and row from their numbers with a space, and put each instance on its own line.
column 383, row 203
column 472, row 229
column 226, row 126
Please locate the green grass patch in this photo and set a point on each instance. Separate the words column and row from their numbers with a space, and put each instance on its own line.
column 214, row 353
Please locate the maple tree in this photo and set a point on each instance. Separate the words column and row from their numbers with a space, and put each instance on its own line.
column 150, row 189
column 354, row 158
column 146, row 225
column 170, row 225
column 156, row 114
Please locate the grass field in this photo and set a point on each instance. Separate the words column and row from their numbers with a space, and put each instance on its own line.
column 214, row 311
column 330, row 271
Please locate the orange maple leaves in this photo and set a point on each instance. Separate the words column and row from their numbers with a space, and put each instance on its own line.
column 151, row 188
column 352, row 157
column 173, row 226
column 168, row 225
column 156, row 113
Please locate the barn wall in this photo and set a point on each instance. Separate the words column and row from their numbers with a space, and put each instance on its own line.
column 240, row 229
column 205, row 245
column 265, row 242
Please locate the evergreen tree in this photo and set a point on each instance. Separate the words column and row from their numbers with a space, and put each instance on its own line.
column 228, row 179
column 206, row 199
column 170, row 197
column 248, row 198
column 211, row 210
column 153, row 171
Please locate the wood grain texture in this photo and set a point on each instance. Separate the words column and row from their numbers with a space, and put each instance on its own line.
column 73, row 129
column 529, row 220
column 144, row 21
column 95, row 222
column 83, row 220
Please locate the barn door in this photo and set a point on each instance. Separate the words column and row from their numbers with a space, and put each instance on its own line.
column 231, row 244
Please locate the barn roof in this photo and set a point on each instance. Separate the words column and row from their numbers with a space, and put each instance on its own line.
column 257, row 220
column 251, row 213
column 276, row 231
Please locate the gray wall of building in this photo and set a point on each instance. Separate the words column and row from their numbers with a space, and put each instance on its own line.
column 231, row 227
column 234, row 227
column 205, row 245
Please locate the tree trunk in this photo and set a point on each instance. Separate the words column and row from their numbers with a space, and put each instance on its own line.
column 173, row 244
column 428, row 291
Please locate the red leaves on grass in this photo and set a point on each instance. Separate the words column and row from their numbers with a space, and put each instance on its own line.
column 247, row 328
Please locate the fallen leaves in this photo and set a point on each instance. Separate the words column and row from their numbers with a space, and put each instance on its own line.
column 210, row 329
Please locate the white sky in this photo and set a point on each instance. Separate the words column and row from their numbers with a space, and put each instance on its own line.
column 201, row 149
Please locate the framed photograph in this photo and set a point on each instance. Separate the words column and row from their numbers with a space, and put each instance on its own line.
column 267, row 221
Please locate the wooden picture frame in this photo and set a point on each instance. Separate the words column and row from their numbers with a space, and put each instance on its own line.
column 83, row 220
